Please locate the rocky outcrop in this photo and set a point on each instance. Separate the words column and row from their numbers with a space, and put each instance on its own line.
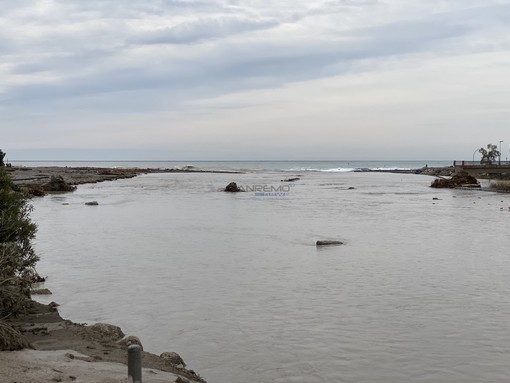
column 174, row 359
column 108, row 331
column 233, row 188
column 58, row 184
column 461, row 179
column 328, row 243
column 438, row 171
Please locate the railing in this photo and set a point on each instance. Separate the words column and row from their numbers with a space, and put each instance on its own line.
column 478, row 164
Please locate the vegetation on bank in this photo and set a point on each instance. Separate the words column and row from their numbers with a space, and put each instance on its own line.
column 500, row 185
column 17, row 257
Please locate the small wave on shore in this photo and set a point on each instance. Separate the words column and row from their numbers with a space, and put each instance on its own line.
column 348, row 170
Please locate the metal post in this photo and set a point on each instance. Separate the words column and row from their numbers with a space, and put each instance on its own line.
column 134, row 364
column 500, row 152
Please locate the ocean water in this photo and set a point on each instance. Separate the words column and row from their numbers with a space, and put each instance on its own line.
column 253, row 166
column 419, row 292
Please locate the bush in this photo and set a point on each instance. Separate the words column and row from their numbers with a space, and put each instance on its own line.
column 17, row 256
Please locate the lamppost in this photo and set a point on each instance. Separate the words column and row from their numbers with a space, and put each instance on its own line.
column 500, row 152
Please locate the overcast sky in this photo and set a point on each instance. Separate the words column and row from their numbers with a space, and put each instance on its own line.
column 253, row 79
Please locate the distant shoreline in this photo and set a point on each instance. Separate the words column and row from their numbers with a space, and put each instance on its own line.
column 83, row 174
column 37, row 178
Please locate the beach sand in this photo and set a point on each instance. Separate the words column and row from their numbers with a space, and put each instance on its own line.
column 31, row 366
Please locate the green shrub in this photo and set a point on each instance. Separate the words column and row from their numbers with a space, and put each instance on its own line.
column 17, row 257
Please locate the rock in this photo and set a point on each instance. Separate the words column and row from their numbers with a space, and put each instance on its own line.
column 233, row 188
column 461, row 179
column 58, row 184
column 351, row 188
column 174, row 359
column 291, row 179
column 109, row 331
column 92, row 203
column 53, row 306
column 181, row 380
column 129, row 340
column 328, row 243
column 441, row 171
column 41, row 292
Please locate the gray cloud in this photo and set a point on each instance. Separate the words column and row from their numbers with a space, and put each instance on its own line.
column 153, row 55
column 202, row 29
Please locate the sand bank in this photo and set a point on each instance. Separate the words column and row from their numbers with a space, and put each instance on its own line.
column 66, row 351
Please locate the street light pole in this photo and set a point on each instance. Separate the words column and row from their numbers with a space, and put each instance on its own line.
column 474, row 154
column 500, row 152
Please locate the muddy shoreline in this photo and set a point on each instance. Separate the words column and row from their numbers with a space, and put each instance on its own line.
column 46, row 331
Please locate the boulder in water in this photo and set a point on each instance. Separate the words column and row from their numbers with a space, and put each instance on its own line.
column 58, row 184
column 233, row 188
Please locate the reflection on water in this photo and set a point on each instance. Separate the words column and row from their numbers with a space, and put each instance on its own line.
column 234, row 283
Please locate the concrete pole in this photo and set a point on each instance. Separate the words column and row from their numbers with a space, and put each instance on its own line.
column 134, row 364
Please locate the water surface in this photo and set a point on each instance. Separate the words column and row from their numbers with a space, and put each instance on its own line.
column 235, row 284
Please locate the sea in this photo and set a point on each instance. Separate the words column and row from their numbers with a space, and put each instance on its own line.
column 234, row 282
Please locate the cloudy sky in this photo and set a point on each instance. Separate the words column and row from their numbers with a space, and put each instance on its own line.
column 253, row 79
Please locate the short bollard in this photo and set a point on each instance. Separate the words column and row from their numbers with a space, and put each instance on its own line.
column 134, row 364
